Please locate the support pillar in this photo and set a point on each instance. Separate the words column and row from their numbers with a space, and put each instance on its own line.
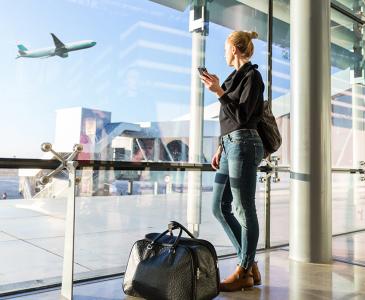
column 311, row 182
column 198, row 29
column 69, row 242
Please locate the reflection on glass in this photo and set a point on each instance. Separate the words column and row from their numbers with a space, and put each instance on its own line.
column 31, row 231
column 356, row 7
column 279, row 210
column 347, row 81
column 137, row 72
column 348, row 206
column 113, row 209
column 134, row 203
column 133, row 83
column 281, row 76
column 321, row 283
column 350, row 248
column 348, row 105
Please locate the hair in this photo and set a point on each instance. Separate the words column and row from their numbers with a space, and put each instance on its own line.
column 242, row 40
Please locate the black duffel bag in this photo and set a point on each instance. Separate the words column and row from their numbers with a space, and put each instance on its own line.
column 168, row 267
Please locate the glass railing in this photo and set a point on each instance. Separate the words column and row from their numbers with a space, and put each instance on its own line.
column 279, row 210
column 117, row 203
column 348, row 203
column 32, row 231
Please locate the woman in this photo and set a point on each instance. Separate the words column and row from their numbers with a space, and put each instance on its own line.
column 238, row 156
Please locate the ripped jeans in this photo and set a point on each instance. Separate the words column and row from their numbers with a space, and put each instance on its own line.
column 235, row 182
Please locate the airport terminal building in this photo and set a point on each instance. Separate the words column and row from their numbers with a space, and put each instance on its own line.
column 108, row 135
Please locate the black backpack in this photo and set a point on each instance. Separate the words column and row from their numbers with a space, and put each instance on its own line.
column 269, row 131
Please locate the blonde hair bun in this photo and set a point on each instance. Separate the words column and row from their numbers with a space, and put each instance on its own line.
column 254, row 35
column 243, row 41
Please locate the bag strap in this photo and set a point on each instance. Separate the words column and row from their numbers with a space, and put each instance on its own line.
column 174, row 245
column 173, row 224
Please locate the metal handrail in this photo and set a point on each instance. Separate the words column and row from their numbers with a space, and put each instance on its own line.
column 46, row 164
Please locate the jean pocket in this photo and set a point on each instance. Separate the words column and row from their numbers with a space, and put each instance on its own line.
column 259, row 152
column 239, row 140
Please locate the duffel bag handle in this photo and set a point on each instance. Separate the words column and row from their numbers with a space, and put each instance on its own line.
column 173, row 225
column 174, row 245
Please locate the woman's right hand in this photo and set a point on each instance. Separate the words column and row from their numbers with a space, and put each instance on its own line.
column 216, row 158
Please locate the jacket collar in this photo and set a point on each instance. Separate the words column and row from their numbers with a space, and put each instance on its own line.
column 244, row 69
column 237, row 75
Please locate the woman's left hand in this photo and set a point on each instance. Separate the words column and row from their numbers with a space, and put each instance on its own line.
column 211, row 82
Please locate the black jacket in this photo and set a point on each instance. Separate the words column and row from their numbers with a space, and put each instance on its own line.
column 242, row 104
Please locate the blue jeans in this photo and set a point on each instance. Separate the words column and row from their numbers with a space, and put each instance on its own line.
column 235, row 182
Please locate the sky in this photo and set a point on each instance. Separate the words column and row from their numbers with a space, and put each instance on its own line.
column 139, row 69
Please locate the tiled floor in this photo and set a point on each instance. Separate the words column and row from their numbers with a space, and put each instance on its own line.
column 282, row 278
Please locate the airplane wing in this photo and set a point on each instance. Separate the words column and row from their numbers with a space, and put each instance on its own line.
column 57, row 42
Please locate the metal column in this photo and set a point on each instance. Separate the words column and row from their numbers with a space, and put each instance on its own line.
column 358, row 136
column 357, row 113
column 197, row 24
column 267, row 198
column 311, row 192
column 69, row 247
column 69, row 242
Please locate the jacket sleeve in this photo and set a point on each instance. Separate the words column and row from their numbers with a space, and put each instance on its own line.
column 240, row 103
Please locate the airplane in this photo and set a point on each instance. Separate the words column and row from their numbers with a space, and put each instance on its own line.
column 60, row 50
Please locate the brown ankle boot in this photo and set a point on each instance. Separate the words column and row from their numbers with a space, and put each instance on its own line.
column 240, row 279
column 256, row 274
column 233, row 276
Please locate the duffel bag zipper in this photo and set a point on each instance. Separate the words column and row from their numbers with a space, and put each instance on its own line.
column 196, row 269
column 214, row 254
column 197, row 272
column 211, row 249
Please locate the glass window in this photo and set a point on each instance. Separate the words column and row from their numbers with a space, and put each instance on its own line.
column 356, row 7
column 111, row 68
column 115, row 76
column 225, row 17
column 281, row 76
column 31, row 229
column 348, row 203
column 347, row 86
column 348, row 92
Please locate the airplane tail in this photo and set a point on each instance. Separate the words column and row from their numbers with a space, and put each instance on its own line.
column 22, row 49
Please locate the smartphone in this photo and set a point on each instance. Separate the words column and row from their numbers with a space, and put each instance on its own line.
column 202, row 70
